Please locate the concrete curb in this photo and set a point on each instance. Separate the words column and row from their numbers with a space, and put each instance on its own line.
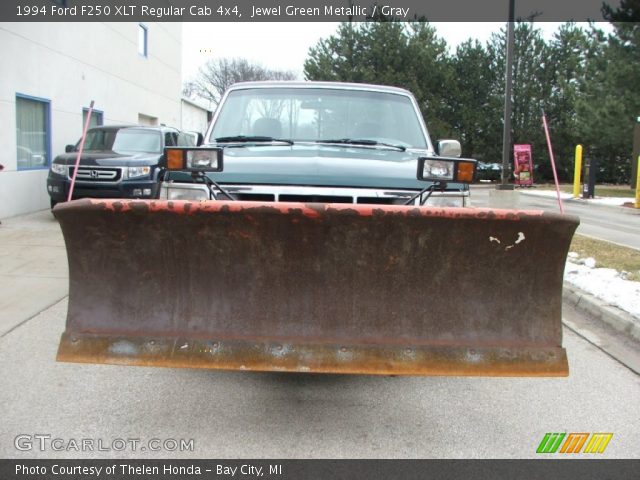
column 619, row 208
column 580, row 201
column 600, row 310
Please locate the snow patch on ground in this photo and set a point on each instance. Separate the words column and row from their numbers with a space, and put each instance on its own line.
column 547, row 193
column 606, row 284
column 615, row 201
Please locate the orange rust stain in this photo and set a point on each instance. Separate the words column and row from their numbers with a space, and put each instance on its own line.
column 190, row 207
column 303, row 357
column 309, row 212
column 115, row 206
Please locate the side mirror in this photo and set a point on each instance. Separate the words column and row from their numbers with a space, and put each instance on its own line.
column 198, row 138
column 69, row 148
column 449, row 148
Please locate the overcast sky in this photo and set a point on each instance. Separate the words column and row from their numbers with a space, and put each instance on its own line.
column 284, row 46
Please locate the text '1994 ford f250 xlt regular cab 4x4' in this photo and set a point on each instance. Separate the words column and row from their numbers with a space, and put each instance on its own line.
column 317, row 230
column 118, row 161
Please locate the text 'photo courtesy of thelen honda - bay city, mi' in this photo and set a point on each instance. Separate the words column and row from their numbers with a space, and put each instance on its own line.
column 317, row 229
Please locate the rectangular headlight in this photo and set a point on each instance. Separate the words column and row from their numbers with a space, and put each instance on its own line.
column 438, row 170
column 445, row 201
column 174, row 191
column 206, row 160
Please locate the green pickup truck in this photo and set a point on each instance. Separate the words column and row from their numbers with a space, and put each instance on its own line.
column 320, row 142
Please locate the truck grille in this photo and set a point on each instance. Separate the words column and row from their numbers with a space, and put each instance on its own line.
column 320, row 194
column 316, row 198
column 265, row 197
column 317, row 195
column 97, row 174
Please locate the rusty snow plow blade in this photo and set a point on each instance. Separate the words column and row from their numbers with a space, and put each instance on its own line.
column 315, row 288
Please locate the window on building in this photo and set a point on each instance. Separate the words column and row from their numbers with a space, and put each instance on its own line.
column 143, row 40
column 96, row 118
column 32, row 132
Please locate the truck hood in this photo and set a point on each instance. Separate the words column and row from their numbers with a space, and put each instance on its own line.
column 320, row 165
column 109, row 159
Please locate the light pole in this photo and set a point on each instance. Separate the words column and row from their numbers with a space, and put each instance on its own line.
column 506, row 136
column 635, row 154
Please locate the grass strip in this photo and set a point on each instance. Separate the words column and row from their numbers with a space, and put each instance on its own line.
column 608, row 255
column 601, row 190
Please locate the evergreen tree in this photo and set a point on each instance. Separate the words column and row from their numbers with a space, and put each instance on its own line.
column 476, row 107
column 408, row 55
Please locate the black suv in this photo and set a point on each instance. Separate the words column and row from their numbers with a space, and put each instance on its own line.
column 117, row 162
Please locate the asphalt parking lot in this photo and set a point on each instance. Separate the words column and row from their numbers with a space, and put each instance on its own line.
column 274, row 415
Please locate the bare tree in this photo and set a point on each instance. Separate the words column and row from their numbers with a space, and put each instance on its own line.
column 215, row 76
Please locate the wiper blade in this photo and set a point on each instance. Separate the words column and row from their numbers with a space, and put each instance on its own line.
column 362, row 141
column 252, row 139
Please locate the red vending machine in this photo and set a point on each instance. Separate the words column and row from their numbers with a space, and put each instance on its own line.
column 523, row 165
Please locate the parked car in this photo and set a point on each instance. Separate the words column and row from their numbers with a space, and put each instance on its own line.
column 30, row 159
column 118, row 161
column 31, row 149
column 489, row 171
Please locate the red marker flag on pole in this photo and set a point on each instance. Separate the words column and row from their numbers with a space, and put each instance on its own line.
column 84, row 136
column 553, row 162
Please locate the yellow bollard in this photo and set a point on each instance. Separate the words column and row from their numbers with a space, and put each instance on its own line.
column 577, row 172
column 638, row 184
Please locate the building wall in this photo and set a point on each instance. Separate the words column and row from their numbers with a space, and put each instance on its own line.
column 70, row 64
column 194, row 117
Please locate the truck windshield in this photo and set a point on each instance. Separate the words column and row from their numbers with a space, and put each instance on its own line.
column 320, row 114
column 134, row 140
